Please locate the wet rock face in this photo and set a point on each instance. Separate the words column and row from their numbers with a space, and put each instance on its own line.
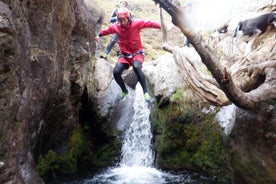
column 45, row 49
column 253, row 151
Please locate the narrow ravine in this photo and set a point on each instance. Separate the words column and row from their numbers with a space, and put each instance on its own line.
column 137, row 157
column 136, row 165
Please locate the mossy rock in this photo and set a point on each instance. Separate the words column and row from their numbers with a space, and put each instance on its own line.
column 80, row 156
column 186, row 138
column 53, row 165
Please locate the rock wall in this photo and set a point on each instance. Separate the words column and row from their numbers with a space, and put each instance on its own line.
column 252, row 146
column 45, row 64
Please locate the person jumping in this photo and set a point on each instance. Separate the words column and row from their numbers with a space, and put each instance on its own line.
column 131, row 49
column 114, row 38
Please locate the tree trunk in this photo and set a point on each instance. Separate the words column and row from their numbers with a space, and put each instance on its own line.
column 259, row 72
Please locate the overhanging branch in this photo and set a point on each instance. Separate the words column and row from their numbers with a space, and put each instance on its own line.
column 222, row 76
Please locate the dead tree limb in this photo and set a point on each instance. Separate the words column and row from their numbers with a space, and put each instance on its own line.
column 247, row 100
column 205, row 88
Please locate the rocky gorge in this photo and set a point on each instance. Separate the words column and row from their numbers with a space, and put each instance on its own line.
column 57, row 115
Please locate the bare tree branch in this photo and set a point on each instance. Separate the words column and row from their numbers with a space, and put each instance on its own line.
column 206, row 88
column 247, row 100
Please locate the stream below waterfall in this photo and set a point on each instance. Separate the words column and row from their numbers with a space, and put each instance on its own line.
column 137, row 157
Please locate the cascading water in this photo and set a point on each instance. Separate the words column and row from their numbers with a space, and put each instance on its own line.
column 137, row 157
column 136, row 149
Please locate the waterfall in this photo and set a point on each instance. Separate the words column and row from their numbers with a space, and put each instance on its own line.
column 137, row 158
column 136, row 149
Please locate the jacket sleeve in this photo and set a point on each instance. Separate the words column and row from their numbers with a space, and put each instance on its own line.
column 149, row 24
column 107, row 31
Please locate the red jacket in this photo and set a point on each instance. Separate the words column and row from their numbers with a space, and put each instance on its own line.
column 129, row 37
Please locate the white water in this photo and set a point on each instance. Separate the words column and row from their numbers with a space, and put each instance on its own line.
column 136, row 149
column 137, row 157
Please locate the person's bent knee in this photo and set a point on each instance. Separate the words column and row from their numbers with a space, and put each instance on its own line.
column 119, row 68
column 137, row 64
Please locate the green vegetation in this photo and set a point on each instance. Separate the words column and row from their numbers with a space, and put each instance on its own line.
column 92, row 146
column 53, row 164
column 105, row 155
column 186, row 138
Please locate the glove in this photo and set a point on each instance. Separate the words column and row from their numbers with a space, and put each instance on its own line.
column 97, row 39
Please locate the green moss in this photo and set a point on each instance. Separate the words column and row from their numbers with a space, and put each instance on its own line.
column 53, row 164
column 80, row 155
column 177, row 96
column 196, row 145
column 78, row 143
column 186, row 138
column 207, row 154
column 105, row 155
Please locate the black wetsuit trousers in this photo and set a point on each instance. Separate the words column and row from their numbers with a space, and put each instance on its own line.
column 137, row 67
